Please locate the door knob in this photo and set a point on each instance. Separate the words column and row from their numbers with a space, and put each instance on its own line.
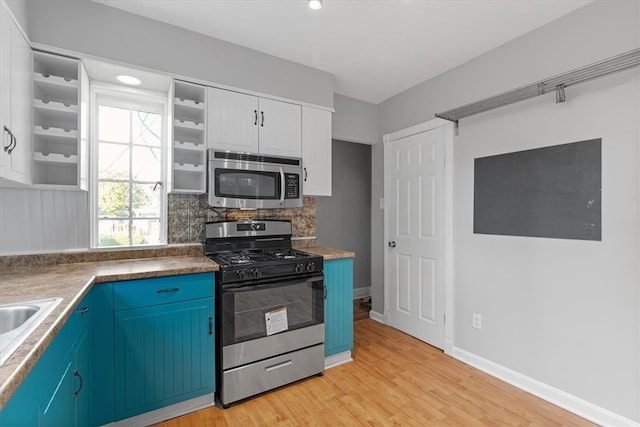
column 392, row 244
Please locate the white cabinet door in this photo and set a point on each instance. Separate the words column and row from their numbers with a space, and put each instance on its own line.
column 280, row 128
column 232, row 121
column 316, row 151
column 15, row 82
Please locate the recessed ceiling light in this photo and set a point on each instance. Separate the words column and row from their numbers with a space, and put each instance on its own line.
column 128, row 80
column 315, row 4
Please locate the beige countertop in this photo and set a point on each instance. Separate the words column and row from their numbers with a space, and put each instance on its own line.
column 329, row 253
column 69, row 276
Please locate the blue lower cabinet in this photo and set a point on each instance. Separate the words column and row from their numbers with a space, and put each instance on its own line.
column 55, row 393
column 163, row 355
column 338, row 308
column 163, row 342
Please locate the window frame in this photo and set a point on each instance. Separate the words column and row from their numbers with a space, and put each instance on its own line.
column 129, row 98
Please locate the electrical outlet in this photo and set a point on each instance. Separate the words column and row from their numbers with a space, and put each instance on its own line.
column 477, row 321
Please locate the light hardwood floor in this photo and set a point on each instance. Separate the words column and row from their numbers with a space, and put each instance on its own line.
column 394, row 380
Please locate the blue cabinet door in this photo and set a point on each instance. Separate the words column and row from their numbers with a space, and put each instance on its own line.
column 82, row 372
column 101, row 391
column 164, row 354
column 338, row 306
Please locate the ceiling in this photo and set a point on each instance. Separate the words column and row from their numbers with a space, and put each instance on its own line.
column 374, row 48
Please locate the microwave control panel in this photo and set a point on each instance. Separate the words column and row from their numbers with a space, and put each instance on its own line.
column 292, row 186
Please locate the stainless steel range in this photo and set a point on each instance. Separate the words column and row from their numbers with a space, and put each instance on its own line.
column 269, row 308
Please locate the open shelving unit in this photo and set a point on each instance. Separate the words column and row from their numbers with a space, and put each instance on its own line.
column 59, row 134
column 189, row 148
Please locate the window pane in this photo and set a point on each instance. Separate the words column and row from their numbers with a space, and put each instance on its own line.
column 113, row 161
column 113, row 232
column 146, row 202
column 145, row 231
column 147, row 128
column 146, row 164
column 113, row 199
column 114, row 124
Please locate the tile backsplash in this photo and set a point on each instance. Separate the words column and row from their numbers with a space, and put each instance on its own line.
column 187, row 217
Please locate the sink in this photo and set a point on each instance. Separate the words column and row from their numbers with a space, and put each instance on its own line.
column 19, row 320
column 14, row 316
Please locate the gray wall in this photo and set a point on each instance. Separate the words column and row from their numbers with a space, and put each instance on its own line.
column 90, row 28
column 343, row 220
column 354, row 120
column 565, row 313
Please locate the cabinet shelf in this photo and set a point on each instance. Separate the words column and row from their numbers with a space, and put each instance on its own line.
column 187, row 124
column 42, row 104
column 188, row 167
column 55, row 158
column 71, row 134
column 188, row 104
column 59, row 146
column 55, row 80
column 189, row 138
column 186, row 145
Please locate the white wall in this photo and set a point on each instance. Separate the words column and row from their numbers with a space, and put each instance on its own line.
column 566, row 313
column 561, row 311
column 354, row 120
column 91, row 28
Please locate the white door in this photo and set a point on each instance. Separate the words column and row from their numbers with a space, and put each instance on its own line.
column 280, row 125
column 415, row 204
column 232, row 121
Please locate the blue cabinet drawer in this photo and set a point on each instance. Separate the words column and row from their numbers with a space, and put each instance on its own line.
column 161, row 290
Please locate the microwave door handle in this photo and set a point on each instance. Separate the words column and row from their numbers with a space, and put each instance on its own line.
column 282, row 186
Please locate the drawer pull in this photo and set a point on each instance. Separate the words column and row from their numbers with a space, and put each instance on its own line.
column 167, row 290
column 83, row 311
column 278, row 366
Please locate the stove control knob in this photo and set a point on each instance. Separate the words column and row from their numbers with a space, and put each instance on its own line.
column 299, row 268
column 311, row 266
column 255, row 273
column 241, row 274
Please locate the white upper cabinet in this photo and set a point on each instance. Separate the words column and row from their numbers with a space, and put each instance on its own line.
column 15, row 103
column 280, row 128
column 316, row 151
column 232, row 121
column 240, row 122
column 60, row 122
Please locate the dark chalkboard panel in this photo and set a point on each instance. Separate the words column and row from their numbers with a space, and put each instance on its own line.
column 545, row 192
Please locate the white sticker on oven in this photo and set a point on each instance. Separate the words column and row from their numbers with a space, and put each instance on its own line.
column 276, row 321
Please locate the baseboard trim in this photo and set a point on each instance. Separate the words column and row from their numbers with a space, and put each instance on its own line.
column 448, row 346
column 337, row 359
column 544, row 391
column 362, row 292
column 167, row 412
column 374, row 315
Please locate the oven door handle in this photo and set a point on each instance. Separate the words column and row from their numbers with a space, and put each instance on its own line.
column 282, row 185
column 249, row 288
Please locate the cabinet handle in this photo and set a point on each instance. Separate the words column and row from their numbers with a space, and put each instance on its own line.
column 210, row 325
column 15, row 142
column 261, row 118
column 167, row 290
column 83, row 311
column 11, row 140
column 77, row 374
column 325, row 291
column 255, row 114
column 305, row 174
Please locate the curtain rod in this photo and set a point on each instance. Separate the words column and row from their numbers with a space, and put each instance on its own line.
column 557, row 83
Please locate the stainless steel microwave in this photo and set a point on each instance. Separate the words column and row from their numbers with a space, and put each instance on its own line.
column 253, row 181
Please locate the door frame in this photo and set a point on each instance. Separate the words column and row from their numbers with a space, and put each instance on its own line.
column 387, row 139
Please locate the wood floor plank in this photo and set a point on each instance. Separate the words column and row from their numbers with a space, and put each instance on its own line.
column 394, row 380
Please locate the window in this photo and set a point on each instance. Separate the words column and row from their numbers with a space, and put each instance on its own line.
column 128, row 200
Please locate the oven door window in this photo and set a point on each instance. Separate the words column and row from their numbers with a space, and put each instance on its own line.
column 243, row 184
column 245, row 309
